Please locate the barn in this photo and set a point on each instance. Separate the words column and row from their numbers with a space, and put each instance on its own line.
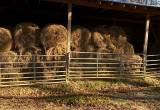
column 137, row 20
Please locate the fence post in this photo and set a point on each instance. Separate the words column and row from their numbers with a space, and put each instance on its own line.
column 69, row 38
column 97, row 63
column 67, row 67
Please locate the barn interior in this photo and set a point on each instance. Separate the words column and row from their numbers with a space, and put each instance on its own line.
column 43, row 12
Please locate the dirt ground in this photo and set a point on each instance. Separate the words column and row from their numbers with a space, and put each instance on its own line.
column 143, row 94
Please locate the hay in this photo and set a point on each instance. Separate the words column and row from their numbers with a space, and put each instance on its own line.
column 25, row 66
column 8, row 60
column 124, row 46
column 54, row 41
column 25, row 38
column 81, row 37
column 52, row 36
column 5, row 40
column 98, row 40
column 132, row 63
column 116, row 31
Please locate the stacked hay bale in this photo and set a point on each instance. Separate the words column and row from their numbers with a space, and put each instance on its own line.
column 81, row 42
column 27, row 45
column 129, row 59
column 8, row 57
column 105, row 46
column 54, row 41
column 26, row 37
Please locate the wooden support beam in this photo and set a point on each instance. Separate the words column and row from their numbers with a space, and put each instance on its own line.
column 69, row 39
column 69, row 26
column 146, row 41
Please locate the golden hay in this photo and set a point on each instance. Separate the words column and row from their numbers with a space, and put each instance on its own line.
column 52, row 36
column 130, row 63
column 80, row 39
column 24, row 63
column 54, row 41
column 98, row 40
column 5, row 40
column 7, row 65
column 25, row 37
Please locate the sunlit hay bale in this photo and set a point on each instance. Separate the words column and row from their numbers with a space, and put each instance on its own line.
column 132, row 63
column 111, row 45
column 53, row 35
column 136, row 64
column 5, row 40
column 25, row 38
column 101, row 47
column 80, row 39
column 98, row 40
column 8, row 71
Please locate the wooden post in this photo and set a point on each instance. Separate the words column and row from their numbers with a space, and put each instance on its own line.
column 69, row 38
column 146, row 42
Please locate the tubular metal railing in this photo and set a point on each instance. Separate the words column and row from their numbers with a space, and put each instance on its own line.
column 104, row 65
column 43, row 69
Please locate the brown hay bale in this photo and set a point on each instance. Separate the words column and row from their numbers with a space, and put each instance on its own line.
column 25, row 37
column 5, row 40
column 80, row 40
column 98, row 40
column 125, row 47
column 23, row 63
column 54, row 41
column 52, row 36
column 129, row 63
column 116, row 31
column 7, row 66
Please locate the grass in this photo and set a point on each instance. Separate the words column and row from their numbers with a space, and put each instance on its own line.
column 140, row 94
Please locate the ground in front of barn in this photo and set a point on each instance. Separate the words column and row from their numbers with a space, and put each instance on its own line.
column 140, row 94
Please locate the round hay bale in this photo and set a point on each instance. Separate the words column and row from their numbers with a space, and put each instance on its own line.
column 81, row 37
column 52, row 36
column 132, row 63
column 5, row 40
column 116, row 31
column 125, row 47
column 25, row 65
column 98, row 40
column 7, row 65
column 54, row 41
column 25, row 37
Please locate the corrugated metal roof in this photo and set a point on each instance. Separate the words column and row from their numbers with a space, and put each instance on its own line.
column 151, row 3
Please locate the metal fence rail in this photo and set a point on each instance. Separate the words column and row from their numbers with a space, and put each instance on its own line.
column 43, row 69
column 35, row 69
column 153, row 65
column 104, row 65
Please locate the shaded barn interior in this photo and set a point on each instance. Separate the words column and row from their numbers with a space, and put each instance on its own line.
column 45, row 12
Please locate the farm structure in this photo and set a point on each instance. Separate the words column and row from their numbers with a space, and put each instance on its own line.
column 54, row 41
